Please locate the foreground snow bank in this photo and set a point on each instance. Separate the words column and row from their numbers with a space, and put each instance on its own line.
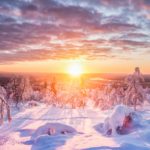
column 44, row 128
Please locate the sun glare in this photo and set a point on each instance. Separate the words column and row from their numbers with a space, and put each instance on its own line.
column 75, row 69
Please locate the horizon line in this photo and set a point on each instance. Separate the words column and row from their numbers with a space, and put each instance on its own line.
column 119, row 73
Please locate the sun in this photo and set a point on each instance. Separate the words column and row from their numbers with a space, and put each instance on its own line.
column 75, row 69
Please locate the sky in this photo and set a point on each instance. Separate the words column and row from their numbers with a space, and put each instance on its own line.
column 48, row 35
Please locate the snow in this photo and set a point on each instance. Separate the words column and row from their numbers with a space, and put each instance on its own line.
column 121, row 121
column 116, row 118
column 71, row 129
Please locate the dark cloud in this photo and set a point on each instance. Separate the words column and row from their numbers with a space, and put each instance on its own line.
column 135, row 35
column 131, row 43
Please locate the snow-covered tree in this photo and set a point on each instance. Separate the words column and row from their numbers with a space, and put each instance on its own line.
column 134, row 93
column 4, row 106
column 21, row 89
column 27, row 89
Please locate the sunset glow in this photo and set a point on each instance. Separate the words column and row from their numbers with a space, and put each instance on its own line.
column 75, row 69
column 74, row 74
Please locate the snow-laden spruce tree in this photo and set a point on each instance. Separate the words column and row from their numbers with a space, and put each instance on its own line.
column 134, row 93
column 4, row 106
column 21, row 89
column 27, row 89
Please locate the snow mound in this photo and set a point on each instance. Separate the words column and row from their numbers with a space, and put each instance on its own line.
column 121, row 121
column 53, row 129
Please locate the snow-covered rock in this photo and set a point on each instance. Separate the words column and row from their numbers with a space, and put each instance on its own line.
column 122, row 117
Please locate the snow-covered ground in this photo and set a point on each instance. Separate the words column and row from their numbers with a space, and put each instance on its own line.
column 44, row 127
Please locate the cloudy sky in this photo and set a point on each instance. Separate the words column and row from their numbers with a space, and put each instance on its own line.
column 46, row 35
